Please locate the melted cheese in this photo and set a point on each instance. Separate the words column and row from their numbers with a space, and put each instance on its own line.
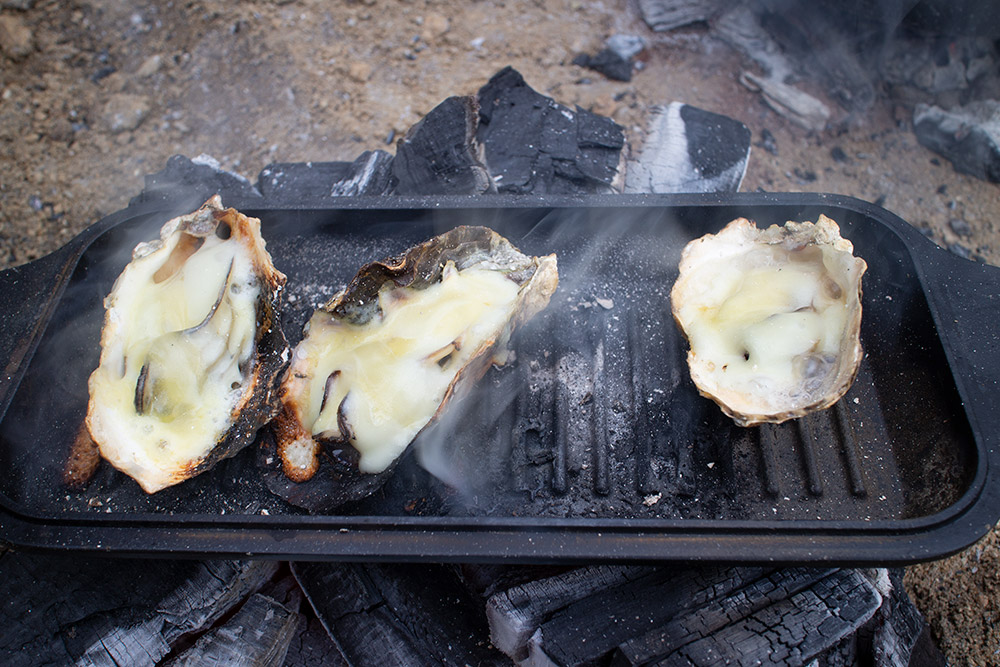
column 193, row 377
column 769, row 326
column 392, row 373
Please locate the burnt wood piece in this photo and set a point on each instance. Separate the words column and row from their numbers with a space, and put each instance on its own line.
column 608, row 62
column 514, row 614
column 706, row 619
column 312, row 647
column 688, row 149
column 663, row 15
column 61, row 610
column 439, row 154
column 704, row 616
column 969, row 137
column 186, row 184
column 900, row 636
column 258, row 635
column 300, row 180
column 588, row 630
column 835, row 39
column 369, row 174
column 712, row 615
column 797, row 106
column 383, row 615
column 792, row 631
column 534, row 145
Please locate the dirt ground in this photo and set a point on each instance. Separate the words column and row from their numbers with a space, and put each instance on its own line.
column 94, row 94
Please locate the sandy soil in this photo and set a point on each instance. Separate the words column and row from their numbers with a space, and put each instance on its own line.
column 94, row 94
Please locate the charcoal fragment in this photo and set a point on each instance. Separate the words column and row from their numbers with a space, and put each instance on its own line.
column 626, row 46
column 664, row 15
column 383, row 615
column 805, row 175
column 258, row 635
column 608, row 62
column 969, row 136
column 439, row 155
column 960, row 227
column 688, row 149
column 960, row 250
column 768, row 142
column 534, row 145
column 78, row 609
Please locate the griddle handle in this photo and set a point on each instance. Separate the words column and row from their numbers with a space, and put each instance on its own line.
column 966, row 295
column 27, row 295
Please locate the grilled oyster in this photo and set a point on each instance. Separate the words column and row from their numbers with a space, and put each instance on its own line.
column 191, row 351
column 383, row 357
column 773, row 317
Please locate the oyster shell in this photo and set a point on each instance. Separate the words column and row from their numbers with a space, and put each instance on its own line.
column 773, row 317
column 380, row 361
column 191, row 351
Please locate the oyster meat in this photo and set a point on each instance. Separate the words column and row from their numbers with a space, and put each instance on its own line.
column 773, row 317
column 191, row 351
column 382, row 358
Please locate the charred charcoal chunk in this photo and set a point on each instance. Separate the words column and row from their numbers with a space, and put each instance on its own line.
column 533, row 144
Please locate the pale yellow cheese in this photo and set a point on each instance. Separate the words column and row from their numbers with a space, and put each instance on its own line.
column 759, row 324
column 390, row 381
column 195, row 376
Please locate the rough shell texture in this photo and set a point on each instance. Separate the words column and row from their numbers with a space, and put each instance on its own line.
column 713, row 253
column 320, row 476
column 258, row 401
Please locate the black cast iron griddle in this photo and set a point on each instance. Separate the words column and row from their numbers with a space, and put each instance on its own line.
column 592, row 445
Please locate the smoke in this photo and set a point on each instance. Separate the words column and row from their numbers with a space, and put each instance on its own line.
column 559, row 420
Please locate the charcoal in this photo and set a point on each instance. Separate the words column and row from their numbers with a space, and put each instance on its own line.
column 186, row 184
column 739, row 27
column 370, row 174
column 900, row 636
column 626, row 46
column 588, row 630
column 768, row 142
column 534, row 145
column 300, row 180
column 608, row 62
column 516, row 613
column 792, row 631
column 484, row 580
column 663, row 15
column 258, row 635
column 960, row 227
column 716, row 614
column 690, row 150
column 312, row 647
column 819, row 38
column 128, row 612
column 285, row 591
column 968, row 136
column 797, row 106
column 439, row 154
column 397, row 614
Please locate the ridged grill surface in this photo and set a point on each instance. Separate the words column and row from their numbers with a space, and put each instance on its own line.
column 595, row 417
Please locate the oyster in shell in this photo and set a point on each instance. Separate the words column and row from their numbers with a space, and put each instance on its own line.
column 380, row 361
column 191, row 351
column 773, row 317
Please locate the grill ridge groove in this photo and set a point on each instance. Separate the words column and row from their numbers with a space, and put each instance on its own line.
column 849, row 449
column 808, row 438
